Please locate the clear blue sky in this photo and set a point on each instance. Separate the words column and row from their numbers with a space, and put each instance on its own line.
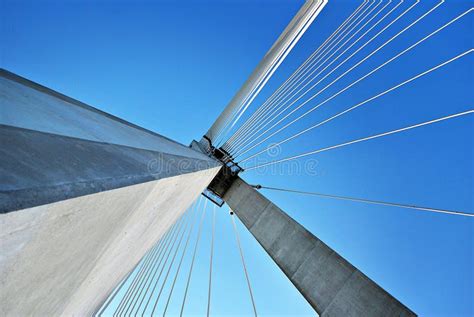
column 173, row 67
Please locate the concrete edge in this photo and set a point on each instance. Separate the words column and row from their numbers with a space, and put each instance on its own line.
column 29, row 83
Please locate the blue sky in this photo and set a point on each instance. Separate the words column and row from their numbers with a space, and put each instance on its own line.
column 173, row 67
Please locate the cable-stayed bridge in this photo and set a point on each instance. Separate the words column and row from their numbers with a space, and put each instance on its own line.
column 98, row 214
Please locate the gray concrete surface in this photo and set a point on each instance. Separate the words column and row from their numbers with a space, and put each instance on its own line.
column 64, row 258
column 38, row 168
column 83, row 196
column 329, row 283
column 28, row 105
column 55, row 147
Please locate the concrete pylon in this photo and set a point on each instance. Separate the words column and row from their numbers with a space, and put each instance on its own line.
column 332, row 285
column 83, row 196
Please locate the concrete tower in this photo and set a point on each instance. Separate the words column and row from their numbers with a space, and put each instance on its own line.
column 83, row 195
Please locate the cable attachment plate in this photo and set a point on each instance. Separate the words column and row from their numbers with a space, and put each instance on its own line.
column 226, row 176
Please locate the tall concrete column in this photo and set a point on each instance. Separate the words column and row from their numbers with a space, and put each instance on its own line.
column 83, row 196
column 332, row 285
